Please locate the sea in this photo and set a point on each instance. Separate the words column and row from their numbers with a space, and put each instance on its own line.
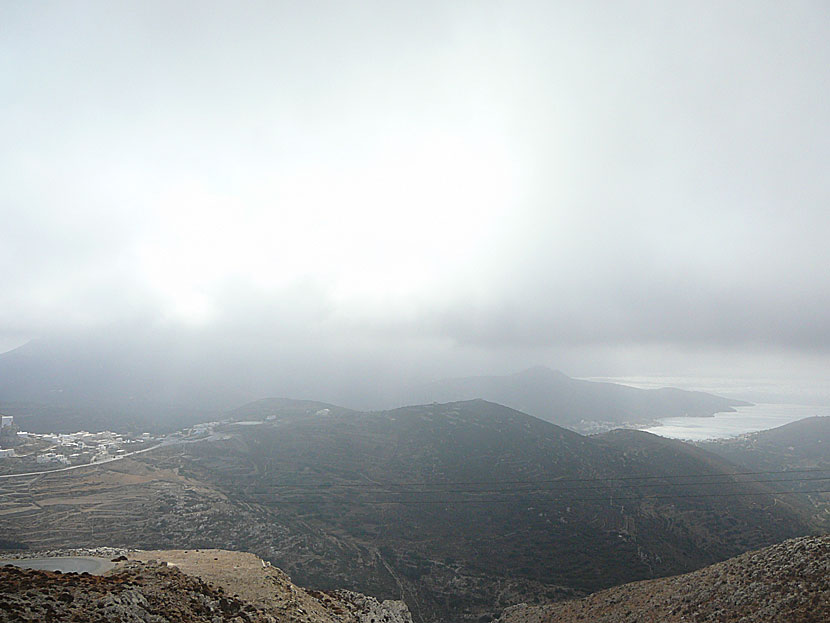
column 744, row 420
column 775, row 411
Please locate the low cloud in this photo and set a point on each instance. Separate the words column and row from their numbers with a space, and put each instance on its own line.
column 413, row 193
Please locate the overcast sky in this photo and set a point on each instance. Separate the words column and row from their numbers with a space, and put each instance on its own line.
column 603, row 187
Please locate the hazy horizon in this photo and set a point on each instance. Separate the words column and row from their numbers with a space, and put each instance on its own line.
column 343, row 197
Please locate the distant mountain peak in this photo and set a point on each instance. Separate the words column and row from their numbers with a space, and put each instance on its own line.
column 578, row 404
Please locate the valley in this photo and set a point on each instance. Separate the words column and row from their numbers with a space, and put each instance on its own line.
column 460, row 509
column 414, row 312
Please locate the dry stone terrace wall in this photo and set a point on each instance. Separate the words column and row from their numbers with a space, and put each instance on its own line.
column 449, row 562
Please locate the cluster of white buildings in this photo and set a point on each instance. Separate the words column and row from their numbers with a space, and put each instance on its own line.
column 51, row 457
column 83, row 446
column 203, row 428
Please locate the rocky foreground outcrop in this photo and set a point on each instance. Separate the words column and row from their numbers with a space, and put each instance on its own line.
column 785, row 583
column 195, row 586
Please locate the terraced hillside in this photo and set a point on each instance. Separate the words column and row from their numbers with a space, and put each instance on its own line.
column 460, row 509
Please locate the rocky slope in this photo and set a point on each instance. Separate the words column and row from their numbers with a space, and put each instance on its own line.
column 177, row 586
column 461, row 510
column 785, row 583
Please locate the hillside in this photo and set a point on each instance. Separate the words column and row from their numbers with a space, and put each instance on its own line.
column 157, row 382
column 460, row 509
column 784, row 583
column 128, row 385
column 802, row 447
column 194, row 586
column 582, row 405
column 805, row 443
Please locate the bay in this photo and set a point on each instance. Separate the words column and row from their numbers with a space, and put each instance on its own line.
column 744, row 420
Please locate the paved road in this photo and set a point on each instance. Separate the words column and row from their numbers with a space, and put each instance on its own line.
column 166, row 442
column 64, row 564
column 66, row 469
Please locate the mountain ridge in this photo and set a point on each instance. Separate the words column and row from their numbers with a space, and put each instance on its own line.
column 462, row 508
column 157, row 382
column 553, row 396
